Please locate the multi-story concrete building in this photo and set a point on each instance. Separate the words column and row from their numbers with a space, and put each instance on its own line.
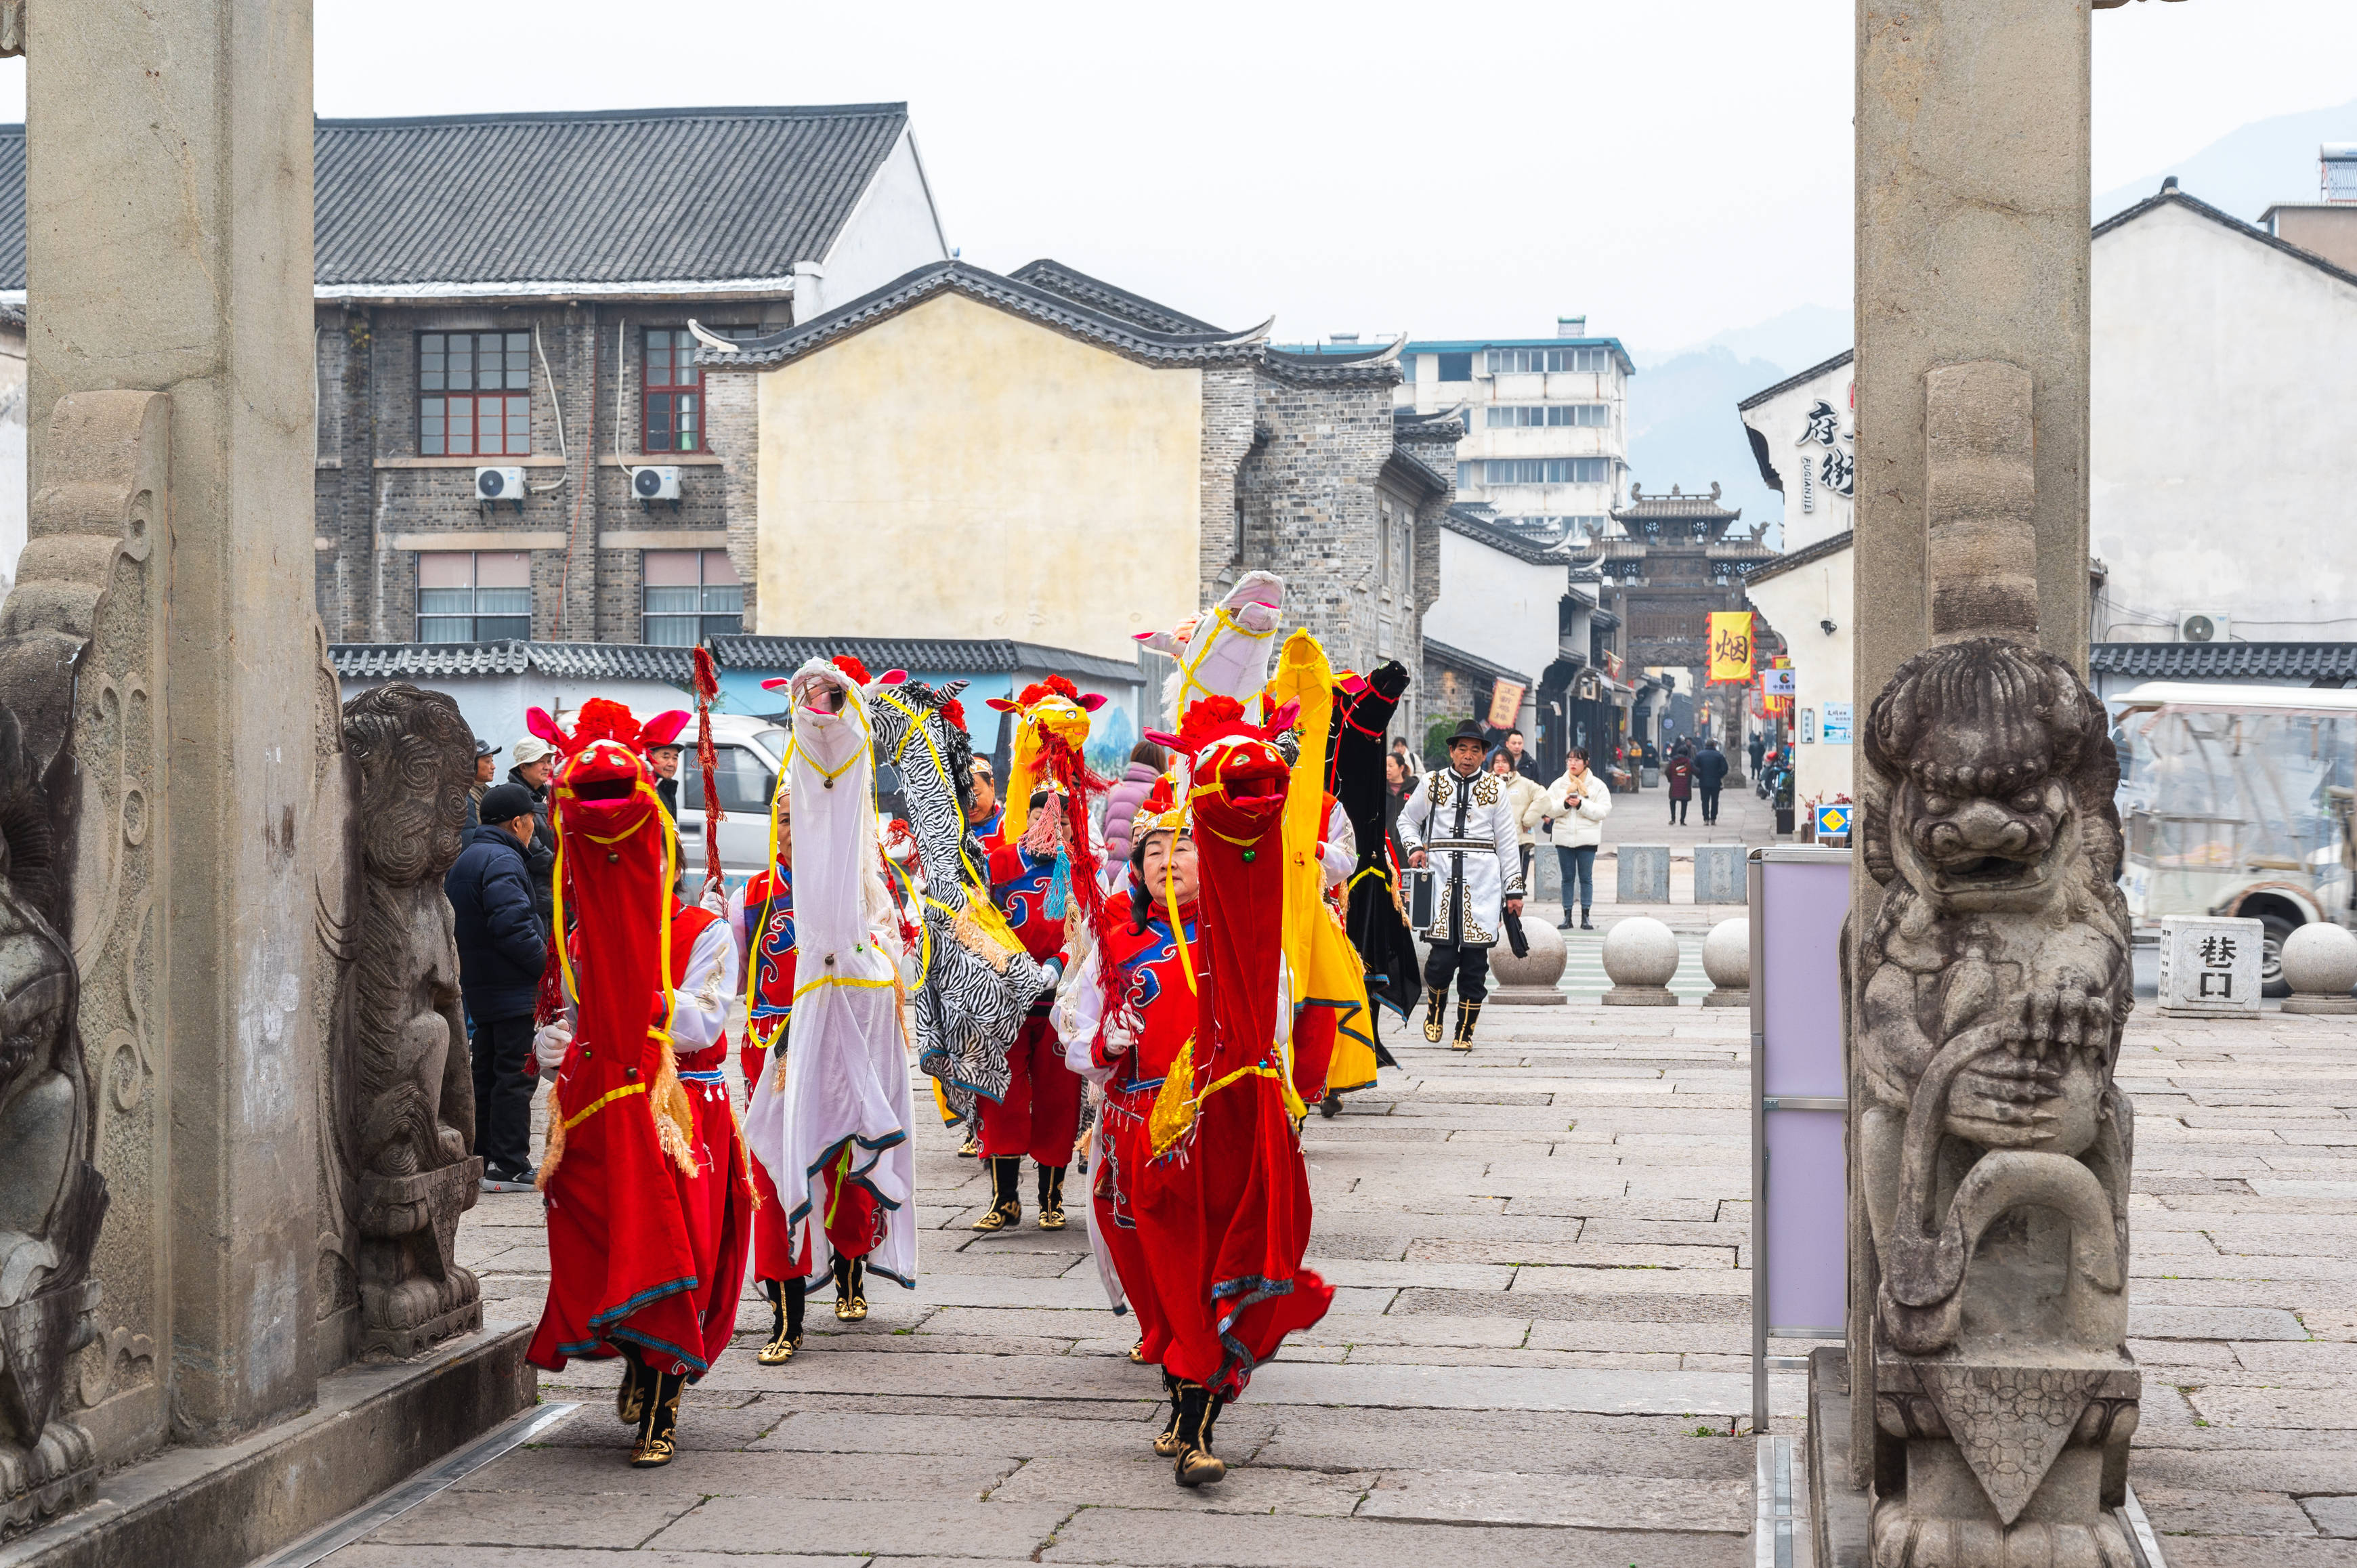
column 1546, row 424
column 514, row 440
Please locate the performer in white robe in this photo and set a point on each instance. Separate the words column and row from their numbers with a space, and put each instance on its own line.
column 1458, row 821
column 835, row 1139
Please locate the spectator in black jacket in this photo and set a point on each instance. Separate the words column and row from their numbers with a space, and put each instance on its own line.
column 534, row 761
column 502, row 946
column 1709, row 777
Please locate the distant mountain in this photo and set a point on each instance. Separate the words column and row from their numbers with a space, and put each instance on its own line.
column 1806, row 335
column 2247, row 171
column 1683, row 430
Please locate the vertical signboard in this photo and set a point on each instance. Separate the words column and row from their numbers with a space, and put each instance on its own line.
column 1800, row 896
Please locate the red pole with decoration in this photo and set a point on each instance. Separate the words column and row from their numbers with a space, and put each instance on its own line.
column 707, row 687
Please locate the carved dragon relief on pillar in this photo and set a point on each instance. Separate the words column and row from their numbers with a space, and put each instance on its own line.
column 1991, row 1147
column 80, row 773
column 401, row 1115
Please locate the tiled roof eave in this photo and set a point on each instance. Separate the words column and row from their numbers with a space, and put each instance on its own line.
column 2225, row 661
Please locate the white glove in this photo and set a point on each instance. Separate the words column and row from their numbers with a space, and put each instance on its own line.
column 551, row 1043
column 715, row 899
column 1120, row 1035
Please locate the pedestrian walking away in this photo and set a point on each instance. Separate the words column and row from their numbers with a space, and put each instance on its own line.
column 1456, row 823
column 502, row 949
column 1577, row 804
column 1758, row 749
column 1678, row 773
column 1709, row 778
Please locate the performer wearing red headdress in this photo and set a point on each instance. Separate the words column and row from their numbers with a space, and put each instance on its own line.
column 645, row 1178
column 1047, row 880
column 1222, row 1198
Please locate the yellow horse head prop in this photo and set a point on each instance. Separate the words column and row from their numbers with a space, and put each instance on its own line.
column 1050, row 714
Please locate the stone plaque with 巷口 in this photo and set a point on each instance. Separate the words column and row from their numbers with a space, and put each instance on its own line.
column 2210, row 966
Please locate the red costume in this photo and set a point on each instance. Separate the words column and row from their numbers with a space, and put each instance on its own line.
column 645, row 1180
column 1040, row 1114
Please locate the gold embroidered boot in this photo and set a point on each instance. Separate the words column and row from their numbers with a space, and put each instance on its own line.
column 1051, row 1197
column 1006, row 1193
column 1436, row 998
column 661, row 1423
column 850, row 1300
column 1165, row 1443
column 785, row 1298
column 1468, row 1014
column 1196, row 1465
column 630, row 1399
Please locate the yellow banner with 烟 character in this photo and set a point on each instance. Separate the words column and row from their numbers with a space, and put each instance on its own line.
column 1730, row 645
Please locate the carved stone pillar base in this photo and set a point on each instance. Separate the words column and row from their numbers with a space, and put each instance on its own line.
column 55, row 1474
column 412, row 1292
column 1985, row 1465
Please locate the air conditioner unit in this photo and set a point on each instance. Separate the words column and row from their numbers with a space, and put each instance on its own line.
column 2203, row 626
column 498, row 484
column 655, row 484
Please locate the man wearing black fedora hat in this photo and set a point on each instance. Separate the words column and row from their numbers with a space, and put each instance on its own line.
column 1458, row 821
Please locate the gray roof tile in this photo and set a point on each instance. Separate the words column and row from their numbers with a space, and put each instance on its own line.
column 603, row 198
column 921, row 656
column 2333, row 661
column 572, row 661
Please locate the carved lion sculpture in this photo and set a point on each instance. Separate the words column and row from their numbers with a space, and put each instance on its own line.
column 407, row 1098
column 1993, row 1146
column 414, row 1089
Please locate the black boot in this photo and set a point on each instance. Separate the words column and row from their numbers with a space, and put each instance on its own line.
column 1051, row 1197
column 850, row 1282
column 1468, row 1014
column 1165, row 1443
column 1006, row 1193
column 630, row 1399
column 1331, row 1106
column 1196, row 1465
column 785, row 1298
column 1583, row 921
column 1435, row 999
column 661, row 1423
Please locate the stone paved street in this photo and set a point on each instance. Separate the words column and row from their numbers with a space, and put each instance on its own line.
column 1537, row 1350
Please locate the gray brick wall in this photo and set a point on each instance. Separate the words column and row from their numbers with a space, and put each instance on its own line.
column 1228, row 412
column 368, row 378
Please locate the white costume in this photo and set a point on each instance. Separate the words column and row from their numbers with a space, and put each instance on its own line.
column 1467, row 829
column 847, row 1079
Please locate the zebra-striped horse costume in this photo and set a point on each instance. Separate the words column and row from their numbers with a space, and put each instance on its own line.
column 977, row 982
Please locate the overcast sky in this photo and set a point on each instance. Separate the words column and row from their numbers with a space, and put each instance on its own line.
column 1673, row 169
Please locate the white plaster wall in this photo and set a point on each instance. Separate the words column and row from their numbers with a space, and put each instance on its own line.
column 2223, row 470
column 894, row 229
column 1795, row 603
column 1811, row 511
column 1498, row 607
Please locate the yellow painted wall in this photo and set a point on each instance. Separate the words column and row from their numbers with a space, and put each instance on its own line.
column 956, row 471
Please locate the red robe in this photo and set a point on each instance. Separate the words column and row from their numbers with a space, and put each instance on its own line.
column 1223, row 1216
column 622, row 1256
column 1154, row 983
column 719, row 1200
column 1040, row 1115
column 770, row 955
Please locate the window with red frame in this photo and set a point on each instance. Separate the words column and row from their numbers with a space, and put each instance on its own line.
column 674, row 392
column 474, row 394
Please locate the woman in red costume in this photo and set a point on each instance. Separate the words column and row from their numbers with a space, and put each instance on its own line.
column 645, row 1180
column 1221, row 1197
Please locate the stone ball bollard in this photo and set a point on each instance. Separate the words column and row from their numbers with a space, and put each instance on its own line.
column 1726, row 959
column 1529, row 981
column 2319, row 963
column 1640, row 954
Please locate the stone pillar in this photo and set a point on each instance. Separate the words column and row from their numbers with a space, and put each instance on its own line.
column 169, row 249
column 1981, row 1413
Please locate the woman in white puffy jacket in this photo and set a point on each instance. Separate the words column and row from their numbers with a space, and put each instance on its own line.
column 1577, row 805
